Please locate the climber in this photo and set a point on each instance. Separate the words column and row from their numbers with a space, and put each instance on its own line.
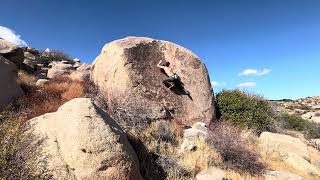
column 172, row 76
column 173, row 79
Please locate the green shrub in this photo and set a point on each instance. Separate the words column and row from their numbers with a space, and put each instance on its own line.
column 292, row 122
column 245, row 110
column 311, row 130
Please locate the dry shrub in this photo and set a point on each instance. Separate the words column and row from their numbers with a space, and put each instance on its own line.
column 26, row 81
column 75, row 90
column 156, row 148
column 162, row 137
column 95, row 94
column 234, row 150
column 19, row 149
column 49, row 97
column 201, row 159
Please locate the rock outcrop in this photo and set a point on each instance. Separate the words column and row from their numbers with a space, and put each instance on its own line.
column 83, row 142
column 212, row 173
column 198, row 132
column 8, row 81
column 308, row 108
column 126, row 70
column 281, row 175
column 11, row 52
column 292, row 151
column 58, row 69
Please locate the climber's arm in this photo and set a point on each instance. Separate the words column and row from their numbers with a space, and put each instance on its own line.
column 160, row 65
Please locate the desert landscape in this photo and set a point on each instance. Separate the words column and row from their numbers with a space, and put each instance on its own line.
column 160, row 90
column 112, row 119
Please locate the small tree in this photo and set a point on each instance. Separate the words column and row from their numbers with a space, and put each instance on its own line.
column 245, row 110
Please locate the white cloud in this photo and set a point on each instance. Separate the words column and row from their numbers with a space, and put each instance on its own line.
column 214, row 83
column 247, row 84
column 264, row 72
column 217, row 84
column 9, row 35
column 249, row 72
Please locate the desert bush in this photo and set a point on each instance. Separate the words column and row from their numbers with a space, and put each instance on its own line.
column 292, row 122
column 95, row 94
column 26, row 81
column 54, row 55
column 200, row 159
column 245, row 110
column 156, row 148
column 234, row 151
column 311, row 130
column 161, row 137
column 19, row 149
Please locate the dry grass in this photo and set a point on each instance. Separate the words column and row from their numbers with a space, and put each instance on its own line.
column 26, row 81
column 47, row 98
column 201, row 159
column 162, row 137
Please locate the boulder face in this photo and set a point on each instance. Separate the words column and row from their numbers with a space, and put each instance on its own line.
column 126, row 70
column 11, row 52
column 8, row 81
column 82, row 142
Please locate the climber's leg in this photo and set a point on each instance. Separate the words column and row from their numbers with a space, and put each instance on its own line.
column 169, row 82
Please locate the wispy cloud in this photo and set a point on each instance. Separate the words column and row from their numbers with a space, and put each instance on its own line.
column 249, row 72
column 246, row 84
column 9, row 35
column 217, row 84
column 264, row 72
column 214, row 83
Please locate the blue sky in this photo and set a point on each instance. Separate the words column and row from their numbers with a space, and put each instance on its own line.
column 275, row 44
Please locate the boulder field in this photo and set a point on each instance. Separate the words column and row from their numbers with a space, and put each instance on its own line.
column 126, row 71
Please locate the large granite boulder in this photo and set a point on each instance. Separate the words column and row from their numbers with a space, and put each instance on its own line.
column 11, row 52
column 126, row 70
column 82, row 142
column 8, row 81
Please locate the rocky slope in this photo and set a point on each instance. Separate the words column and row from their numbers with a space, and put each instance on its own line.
column 308, row 108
